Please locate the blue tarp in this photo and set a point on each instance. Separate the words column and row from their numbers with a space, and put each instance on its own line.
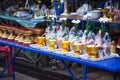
column 26, row 22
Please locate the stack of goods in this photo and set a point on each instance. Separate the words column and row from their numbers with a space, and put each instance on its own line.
column 50, row 33
column 19, row 35
column 77, row 43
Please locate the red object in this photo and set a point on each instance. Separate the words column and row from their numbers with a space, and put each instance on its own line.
column 118, row 42
column 5, row 50
column 26, row 44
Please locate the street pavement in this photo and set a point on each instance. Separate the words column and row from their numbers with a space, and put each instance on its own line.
column 92, row 74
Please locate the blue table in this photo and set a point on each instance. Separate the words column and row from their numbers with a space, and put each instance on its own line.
column 112, row 64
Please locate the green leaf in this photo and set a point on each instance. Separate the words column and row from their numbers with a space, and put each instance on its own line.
column 108, row 51
column 89, row 27
column 103, row 29
column 51, row 24
column 63, row 25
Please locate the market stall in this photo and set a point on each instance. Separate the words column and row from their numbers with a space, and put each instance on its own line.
column 106, row 64
column 82, row 43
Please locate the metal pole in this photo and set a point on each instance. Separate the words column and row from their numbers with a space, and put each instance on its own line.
column 69, row 71
column 84, row 71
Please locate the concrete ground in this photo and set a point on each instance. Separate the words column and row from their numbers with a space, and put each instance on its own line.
column 92, row 74
column 20, row 76
column 28, row 72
